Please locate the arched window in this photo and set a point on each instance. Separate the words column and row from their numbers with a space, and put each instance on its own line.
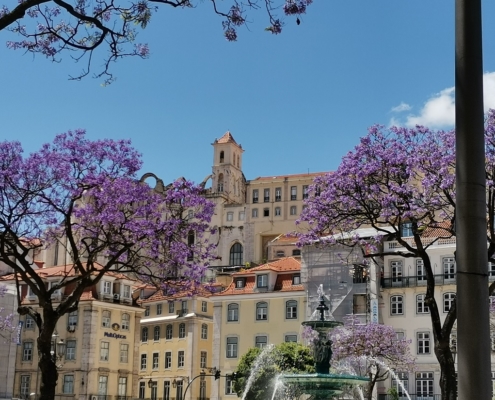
column 222, row 156
column 262, row 311
column 233, row 312
column 204, row 331
column 291, row 309
column 156, row 333
column 220, row 183
column 168, row 332
column 236, row 254
column 182, row 331
column 144, row 334
column 126, row 320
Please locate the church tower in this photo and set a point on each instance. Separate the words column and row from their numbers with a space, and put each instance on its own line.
column 228, row 178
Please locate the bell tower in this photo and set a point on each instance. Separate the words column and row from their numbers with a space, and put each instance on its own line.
column 228, row 179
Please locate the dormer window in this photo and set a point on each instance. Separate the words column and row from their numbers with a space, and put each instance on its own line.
column 240, row 283
column 406, row 229
column 296, row 279
column 126, row 293
column 107, row 287
column 262, row 281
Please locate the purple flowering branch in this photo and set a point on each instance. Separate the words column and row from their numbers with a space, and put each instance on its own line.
column 52, row 27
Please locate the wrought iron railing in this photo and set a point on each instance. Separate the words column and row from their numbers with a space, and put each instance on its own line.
column 414, row 281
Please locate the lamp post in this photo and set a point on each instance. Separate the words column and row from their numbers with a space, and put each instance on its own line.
column 211, row 372
column 59, row 348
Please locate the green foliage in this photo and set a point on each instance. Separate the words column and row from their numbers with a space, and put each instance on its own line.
column 285, row 357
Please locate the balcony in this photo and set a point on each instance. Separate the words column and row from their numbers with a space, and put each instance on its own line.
column 412, row 396
column 182, row 313
column 393, row 245
column 415, row 281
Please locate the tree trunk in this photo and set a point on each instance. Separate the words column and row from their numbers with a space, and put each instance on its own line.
column 46, row 364
column 448, row 382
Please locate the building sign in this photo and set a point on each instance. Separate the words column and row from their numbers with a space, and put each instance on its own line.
column 114, row 335
column 374, row 311
column 19, row 330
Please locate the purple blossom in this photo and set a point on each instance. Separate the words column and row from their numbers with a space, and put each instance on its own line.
column 230, row 34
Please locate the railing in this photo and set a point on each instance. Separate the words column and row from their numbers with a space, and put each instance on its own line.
column 411, row 396
column 393, row 244
column 414, row 281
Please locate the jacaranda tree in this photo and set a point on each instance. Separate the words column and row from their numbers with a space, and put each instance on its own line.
column 398, row 176
column 79, row 27
column 84, row 195
column 371, row 350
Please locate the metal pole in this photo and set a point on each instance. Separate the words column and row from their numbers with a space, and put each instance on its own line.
column 471, row 256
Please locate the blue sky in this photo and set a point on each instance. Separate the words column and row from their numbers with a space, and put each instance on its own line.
column 297, row 102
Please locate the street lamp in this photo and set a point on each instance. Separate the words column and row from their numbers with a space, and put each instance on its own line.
column 58, row 347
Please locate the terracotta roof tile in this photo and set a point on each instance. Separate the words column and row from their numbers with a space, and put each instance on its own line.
column 284, row 264
column 159, row 295
column 290, row 176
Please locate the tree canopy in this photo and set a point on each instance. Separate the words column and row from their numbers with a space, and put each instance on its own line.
column 83, row 196
column 79, row 27
column 266, row 365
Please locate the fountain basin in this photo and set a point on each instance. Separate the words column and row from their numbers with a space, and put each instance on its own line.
column 322, row 385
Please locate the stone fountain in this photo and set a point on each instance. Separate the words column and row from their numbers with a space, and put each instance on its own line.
column 322, row 385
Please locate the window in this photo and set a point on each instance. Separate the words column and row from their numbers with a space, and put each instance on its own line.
column 254, row 213
column 420, row 270
column 204, row 306
column 233, row 312
column 448, row 300
column 421, row 307
column 406, row 229
column 261, row 341
column 266, row 212
column 231, row 347
column 105, row 319
column 266, row 195
column 491, row 269
column 262, row 281
column 104, row 351
column 156, row 333
column 401, row 383
column 171, row 307
column 293, row 210
column 278, row 194
column 168, row 332
column 168, row 359
column 448, row 268
column 166, row 390
column 27, row 351
column 202, row 390
column 424, row 384
column 72, row 319
column 222, row 156
column 423, row 342
column 159, row 309
column 126, row 320
column 242, row 215
column 68, row 385
column 180, row 359
column 396, row 305
column 202, row 360
column 261, row 311
column 204, row 331
column 291, row 338
column 230, row 216
column 305, row 191
column 255, row 195
column 182, row 331
column 291, row 309
column 122, row 390
column 102, row 385
column 126, row 292
column 25, row 386
column 280, row 253
column 144, row 334
column 296, row 252
column 220, row 183
column 178, row 393
column 147, row 311
column 107, row 287
column 229, row 387
column 293, row 192
column 236, row 254
column 296, row 279
column 155, row 361
column 124, row 353
column 396, row 269
column 29, row 323
column 70, row 350
column 278, row 211
column 154, row 390
column 240, row 283
column 144, row 361
column 142, row 389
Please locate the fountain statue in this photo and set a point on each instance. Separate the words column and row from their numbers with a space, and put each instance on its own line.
column 322, row 385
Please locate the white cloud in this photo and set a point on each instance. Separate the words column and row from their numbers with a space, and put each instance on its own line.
column 401, row 107
column 439, row 109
